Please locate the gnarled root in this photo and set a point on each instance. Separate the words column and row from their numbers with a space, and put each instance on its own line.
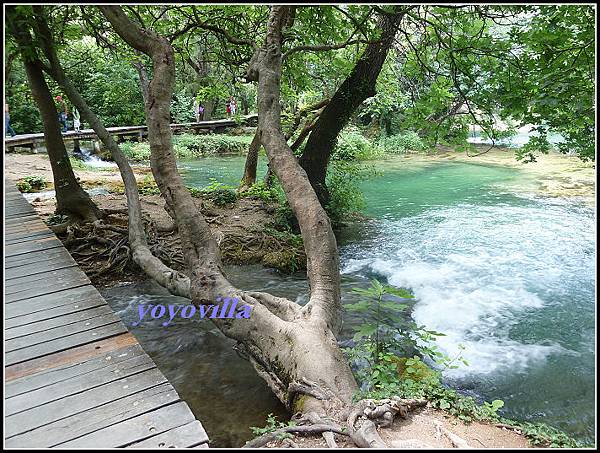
column 457, row 441
column 300, row 429
column 368, row 415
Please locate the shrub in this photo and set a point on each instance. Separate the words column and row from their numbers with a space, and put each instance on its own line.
column 268, row 194
column 353, row 145
column 219, row 193
column 31, row 184
column 345, row 196
column 135, row 150
column 190, row 145
column 402, row 143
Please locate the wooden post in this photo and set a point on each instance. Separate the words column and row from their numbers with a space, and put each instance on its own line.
column 76, row 147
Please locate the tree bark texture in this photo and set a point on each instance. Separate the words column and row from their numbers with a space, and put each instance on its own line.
column 293, row 348
column 357, row 87
column 71, row 199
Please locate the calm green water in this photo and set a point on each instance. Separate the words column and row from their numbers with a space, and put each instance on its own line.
column 509, row 275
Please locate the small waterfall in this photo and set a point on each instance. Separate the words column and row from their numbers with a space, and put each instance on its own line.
column 91, row 159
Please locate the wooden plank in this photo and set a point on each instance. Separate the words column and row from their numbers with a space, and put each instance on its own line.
column 64, row 371
column 69, row 387
column 50, row 277
column 35, row 285
column 29, row 227
column 190, row 435
column 72, row 356
column 77, row 425
column 64, row 343
column 30, row 219
column 17, row 284
column 53, row 313
column 55, row 254
column 75, row 297
column 37, row 268
column 26, row 236
column 138, row 428
column 36, row 338
column 57, row 322
column 32, row 246
column 75, row 404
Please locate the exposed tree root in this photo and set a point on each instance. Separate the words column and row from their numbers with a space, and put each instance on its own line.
column 300, row 429
column 457, row 441
column 362, row 421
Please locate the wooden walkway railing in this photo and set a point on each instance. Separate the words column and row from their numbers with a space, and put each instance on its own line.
column 32, row 140
column 74, row 375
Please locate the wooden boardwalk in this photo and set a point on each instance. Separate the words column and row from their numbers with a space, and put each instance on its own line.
column 74, row 375
column 32, row 140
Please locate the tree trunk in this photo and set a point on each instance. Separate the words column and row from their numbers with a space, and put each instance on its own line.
column 249, row 177
column 357, row 87
column 174, row 281
column 293, row 348
column 209, row 107
column 71, row 199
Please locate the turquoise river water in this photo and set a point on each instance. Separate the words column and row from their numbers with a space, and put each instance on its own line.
column 509, row 274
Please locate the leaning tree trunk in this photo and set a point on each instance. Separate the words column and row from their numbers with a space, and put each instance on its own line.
column 71, row 199
column 249, row 177
column 357, row 87
column 293, row 348
column 174, row 281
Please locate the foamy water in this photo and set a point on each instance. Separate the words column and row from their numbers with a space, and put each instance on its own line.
column 477, row 271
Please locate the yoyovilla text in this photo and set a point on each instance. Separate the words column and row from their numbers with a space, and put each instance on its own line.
column 225, row 308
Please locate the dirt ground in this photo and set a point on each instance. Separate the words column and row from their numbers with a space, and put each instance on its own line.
column 17, row 166
column 420, row 430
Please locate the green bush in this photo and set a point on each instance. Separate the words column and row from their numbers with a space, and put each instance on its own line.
column 353, row 145
column 135, row 150
column 271, row 194
column 402, row 143
column 345, row 196
column 219, row 193
column 188, row 146
column 31, row 184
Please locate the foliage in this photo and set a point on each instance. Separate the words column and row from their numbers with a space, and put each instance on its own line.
column 543, row 435
column 31, row 184
column 387, row 330
column 219, row 193
column 182, row 108
column 402, row 143
column 56, row 219
column 345, row 196
column 188, row 146
column 147, row 186
column 268, row 194
column 136, row 151
column 352, row 145
column 271, row 426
